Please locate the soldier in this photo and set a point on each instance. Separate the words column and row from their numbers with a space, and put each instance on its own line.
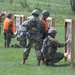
column 35, row 29
column 8, row 29
column 21, row 34
column 45, row 15
column 50, row 45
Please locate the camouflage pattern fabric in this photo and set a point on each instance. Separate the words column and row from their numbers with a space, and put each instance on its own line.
column 21, row 34
column 35, row 29
column 50, row 53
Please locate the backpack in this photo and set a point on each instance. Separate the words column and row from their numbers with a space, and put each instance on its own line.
column 45, row 46
column 21, row 32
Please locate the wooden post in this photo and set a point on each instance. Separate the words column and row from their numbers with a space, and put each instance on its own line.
column 65, row 51
column 23, row 18
column 51, row 22
column 70, row 34
column 18, row 19
column 72, row 47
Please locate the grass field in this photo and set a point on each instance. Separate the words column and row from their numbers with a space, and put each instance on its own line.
column 10, row 58
column 59, row 9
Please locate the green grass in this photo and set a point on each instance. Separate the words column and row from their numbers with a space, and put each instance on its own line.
column 59, row 9
column 10, row 59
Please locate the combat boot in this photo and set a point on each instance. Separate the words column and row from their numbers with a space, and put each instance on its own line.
column 42, row 62
column 46, row 62
column 51, row 64
column 5, row 44
column 38, row 62
column 23, row 61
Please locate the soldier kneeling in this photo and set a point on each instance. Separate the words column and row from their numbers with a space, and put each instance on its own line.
column 49, row 48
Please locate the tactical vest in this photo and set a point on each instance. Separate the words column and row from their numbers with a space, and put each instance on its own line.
column 46, row 24
column 35, row 30
column 6, row 24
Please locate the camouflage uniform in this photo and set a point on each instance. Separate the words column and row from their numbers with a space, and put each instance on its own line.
column 50, row 53
column 21, row 34
column 35, row 29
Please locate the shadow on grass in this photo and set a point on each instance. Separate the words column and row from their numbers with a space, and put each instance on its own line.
column 56, row 65
column 62, row 65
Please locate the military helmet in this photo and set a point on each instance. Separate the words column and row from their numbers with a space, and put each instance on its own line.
column 45, row 13
column 35, row 12
column 9, row 15
column 52, row 31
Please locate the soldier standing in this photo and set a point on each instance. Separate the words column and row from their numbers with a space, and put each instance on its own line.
column 50, row 46
column 45, row 15
column 35, row 29
column 8, row 29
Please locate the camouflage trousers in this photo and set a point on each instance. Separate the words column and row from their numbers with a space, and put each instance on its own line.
column 22, row 43
column 54, row 58
column 38, row 46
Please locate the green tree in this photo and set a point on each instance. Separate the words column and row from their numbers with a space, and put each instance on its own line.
column 72, row 2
